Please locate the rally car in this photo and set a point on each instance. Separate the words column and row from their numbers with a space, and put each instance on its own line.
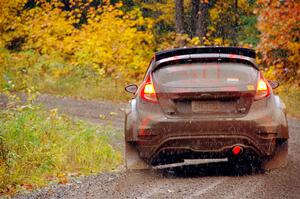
column 207, row 103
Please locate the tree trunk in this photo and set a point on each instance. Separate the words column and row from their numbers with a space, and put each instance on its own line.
column 202, row 21
column 235, row 24
column 179, row 16
column 194, row 17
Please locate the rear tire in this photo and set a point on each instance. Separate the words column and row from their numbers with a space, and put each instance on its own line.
column 278, row 158
column 242, row 166
column 132, row 159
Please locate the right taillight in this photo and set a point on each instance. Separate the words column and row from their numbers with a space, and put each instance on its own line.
column 262, row 88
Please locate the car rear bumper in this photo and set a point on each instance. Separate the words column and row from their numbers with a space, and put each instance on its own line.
column 200, row 137
column 218, row 146
column 155, row 133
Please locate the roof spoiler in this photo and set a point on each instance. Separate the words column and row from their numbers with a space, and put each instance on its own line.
column 205, row 50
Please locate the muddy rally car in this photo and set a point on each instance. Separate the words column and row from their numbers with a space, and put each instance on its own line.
column 202, row 105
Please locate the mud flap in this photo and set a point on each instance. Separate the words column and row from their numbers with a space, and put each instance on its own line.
column 132, row 158
column 278, row 159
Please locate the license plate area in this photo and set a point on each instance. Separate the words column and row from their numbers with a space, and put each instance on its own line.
column 206, row 106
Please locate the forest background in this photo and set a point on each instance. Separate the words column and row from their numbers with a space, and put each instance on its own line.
column 86, row 48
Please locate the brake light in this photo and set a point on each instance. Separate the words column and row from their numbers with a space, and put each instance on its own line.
column 262, row 89
column 237, row 150
column 148, row 91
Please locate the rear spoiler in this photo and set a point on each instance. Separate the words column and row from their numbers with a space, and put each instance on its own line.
column 183, row 55
column 205, row 50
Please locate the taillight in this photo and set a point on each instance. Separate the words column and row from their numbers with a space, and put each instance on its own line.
column 262, row 89
column 148, row 91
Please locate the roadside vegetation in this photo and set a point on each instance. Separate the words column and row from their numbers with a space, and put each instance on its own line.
column 291, row 97
column 38, row 147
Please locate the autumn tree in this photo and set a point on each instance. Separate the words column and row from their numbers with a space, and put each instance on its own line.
column 202, row 19
column 194, row 16
column 179, row 16
column 279, row 24
column 43, row 40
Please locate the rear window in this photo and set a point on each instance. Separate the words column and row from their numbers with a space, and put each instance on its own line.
column 205, row 75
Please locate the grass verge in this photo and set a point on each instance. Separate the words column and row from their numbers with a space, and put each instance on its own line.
column 291, row 97
column 104, row 89
column 38, row 146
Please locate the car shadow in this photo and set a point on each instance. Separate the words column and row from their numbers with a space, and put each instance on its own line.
column 212, row 169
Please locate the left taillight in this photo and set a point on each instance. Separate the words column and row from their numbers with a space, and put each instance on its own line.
column 262, row 88
column 148, row 92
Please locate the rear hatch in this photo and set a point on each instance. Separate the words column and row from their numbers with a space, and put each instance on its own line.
column 205, row 89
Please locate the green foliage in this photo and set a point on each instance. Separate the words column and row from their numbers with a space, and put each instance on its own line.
column 249, row 33
column 104, row 89
column 37, row 146
column 233, row 22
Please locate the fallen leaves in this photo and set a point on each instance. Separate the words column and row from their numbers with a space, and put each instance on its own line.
column 62, row 179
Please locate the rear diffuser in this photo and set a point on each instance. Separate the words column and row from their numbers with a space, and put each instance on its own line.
column 134, row 162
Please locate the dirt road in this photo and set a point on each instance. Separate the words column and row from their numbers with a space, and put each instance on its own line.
column 206, row 182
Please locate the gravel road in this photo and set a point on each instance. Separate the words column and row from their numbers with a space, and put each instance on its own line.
column 207, row 182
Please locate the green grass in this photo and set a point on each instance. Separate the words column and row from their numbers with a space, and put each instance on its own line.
column 105, row 89
column 38, row 146
column 291, row 97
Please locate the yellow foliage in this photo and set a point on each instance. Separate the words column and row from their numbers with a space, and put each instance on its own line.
column 279, row 41
column 164, row 9
column 112, row 42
